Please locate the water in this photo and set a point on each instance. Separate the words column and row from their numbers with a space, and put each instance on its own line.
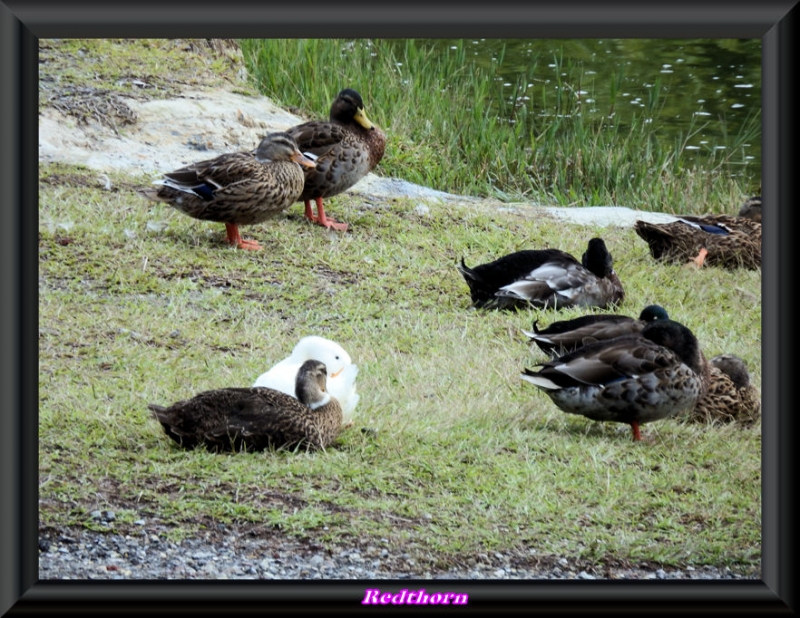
column 702, row 93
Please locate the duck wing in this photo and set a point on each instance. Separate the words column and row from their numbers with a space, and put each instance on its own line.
column 604, row 362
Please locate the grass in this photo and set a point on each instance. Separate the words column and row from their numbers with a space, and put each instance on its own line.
column 457, row 133
column 139, row 304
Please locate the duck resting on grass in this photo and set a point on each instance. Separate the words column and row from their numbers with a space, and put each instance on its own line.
column 632, row 379
column 345, row 148
column 545, row 278
column 731, row 396
column 254, row 419
column 716, row 240
column 565, row 336
column 238, row 188
column 341, row 372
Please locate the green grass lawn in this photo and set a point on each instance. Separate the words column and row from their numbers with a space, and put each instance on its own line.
column 140, row 304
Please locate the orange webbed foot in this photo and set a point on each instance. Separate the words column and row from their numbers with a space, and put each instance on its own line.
column 235, row 239
column 323, row 220
column 700, row 259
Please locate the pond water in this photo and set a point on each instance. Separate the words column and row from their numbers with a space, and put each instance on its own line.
column 702, row 93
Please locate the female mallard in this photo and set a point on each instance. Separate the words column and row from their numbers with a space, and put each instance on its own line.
column 238, row 188
column 566, row 336
column 253, row 419
column 633, row 379
column 546, row 278
column 341, row 372
column 345, row 148
column 719, row 240
column 731, row 397
column 751, row 209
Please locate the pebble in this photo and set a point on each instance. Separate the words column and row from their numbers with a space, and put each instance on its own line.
column 91, row 554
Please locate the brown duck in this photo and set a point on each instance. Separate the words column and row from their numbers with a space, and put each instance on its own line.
column 238, row 188
column 258, row 418
column 345, row 148
column 731, row 396
column 717, row 240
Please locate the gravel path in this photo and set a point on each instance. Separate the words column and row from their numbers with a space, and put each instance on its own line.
column 240, row 553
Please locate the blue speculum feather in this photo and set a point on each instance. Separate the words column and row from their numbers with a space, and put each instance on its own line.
column 708, row 227
column 204, row 191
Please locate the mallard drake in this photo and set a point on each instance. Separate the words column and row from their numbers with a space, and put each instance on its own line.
column 633, row 379
column 254, row 419
column 545, row 278
column 566, row 336
column 718, row 240
column 346, row 147
column 238, row 188
column 731, row 396
column 341, row 372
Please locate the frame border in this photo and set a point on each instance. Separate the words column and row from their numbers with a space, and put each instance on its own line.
column 22, row 23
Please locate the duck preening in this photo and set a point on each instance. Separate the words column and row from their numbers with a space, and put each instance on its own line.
column 546, row 278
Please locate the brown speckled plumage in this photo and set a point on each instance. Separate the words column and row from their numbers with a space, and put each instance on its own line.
column 545, row 278
column 731, row 397
column 238, row 188
column 633, row 379
column 347, row 147
column 256, row 418
column 679, row 241
column 751, row 209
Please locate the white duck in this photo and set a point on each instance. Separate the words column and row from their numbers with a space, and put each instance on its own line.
column 341, row 372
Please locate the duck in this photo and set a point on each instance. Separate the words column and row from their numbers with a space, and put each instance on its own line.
column 255, row 419
column 731, row 396
column 565, row 336
column 345, row 148
column 751, row 208
column 238, row 188
column 717, row 240
column 341, row 372
column 546, row 278
column 633, row 379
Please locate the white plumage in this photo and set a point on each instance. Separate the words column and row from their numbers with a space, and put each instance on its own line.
column 341, row 372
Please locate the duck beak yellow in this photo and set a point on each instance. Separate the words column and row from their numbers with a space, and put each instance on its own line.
column 299, row 157
column 361, row 118
column 336, row 373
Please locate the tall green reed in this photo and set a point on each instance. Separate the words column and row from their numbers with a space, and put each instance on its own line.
column 452, row 127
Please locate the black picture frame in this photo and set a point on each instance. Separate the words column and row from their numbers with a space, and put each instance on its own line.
column 24, row 22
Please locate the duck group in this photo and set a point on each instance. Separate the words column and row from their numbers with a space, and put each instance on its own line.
column 310, row 161
column 607, row 367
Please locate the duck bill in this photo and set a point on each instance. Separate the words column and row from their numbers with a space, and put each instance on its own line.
column 361, row 118
column 336, row 373
column 299, row 157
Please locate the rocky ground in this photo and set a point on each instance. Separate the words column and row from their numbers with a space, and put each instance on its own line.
column 227, row 552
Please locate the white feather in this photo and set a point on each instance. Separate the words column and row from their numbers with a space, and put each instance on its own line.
column 341, row 372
